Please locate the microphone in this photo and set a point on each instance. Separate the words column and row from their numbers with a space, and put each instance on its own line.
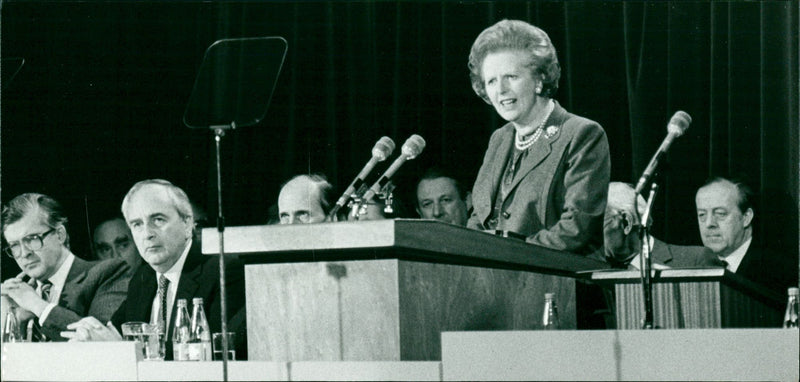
column 676, row 127
column 382, row 150
column 411, row 148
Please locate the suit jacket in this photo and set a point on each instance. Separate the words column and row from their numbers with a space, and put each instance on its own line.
column 559, row 196
column 774, row 270
column 682, row 256
column 199, row 278
column 673, row 256
column 91, row 289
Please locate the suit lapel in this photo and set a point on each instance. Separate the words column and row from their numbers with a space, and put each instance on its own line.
column 189, row 281
column 503, row 151
column 140, row 300
column 536, row 156
column 750, row 261
column 543, row 147
column 75, row 277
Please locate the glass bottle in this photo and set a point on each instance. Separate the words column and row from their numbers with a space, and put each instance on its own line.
column 11, row 328
column 181, row 334
column 200, row 343
column 790, row 318
column 550, row 315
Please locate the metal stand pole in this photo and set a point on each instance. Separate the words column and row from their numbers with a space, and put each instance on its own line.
column 219, row 132
column 645, row 262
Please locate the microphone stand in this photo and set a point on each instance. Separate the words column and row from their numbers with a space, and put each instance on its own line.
column 219, row 132
column 358, row 205
column 645, row 264
column 355, row 200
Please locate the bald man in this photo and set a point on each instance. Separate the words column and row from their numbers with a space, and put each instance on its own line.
column 304, row 199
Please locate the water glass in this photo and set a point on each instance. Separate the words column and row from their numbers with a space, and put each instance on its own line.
column 217, row 346
column 148, row 335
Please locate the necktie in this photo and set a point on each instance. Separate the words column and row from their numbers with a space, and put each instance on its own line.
column 163, row 284
column 723, row 263
column 46, row 286
column 34, row 331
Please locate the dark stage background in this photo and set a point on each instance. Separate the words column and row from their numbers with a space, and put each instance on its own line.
column 98, row 104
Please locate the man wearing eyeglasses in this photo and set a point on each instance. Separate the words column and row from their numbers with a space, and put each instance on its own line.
column 55, row 288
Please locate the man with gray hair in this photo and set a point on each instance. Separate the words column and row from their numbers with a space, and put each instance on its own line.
column 55, row 288
column 622, row 245
column 160, row 217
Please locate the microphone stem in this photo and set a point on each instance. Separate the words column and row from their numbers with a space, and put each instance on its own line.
column 334, row 211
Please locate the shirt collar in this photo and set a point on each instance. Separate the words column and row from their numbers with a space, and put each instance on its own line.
column 735, row 258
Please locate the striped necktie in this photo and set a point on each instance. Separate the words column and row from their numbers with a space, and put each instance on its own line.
column 163, row 284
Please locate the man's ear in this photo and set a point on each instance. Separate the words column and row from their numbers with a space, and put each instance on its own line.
column 627, row 222
column 468, row 200
column 61, row 232
column 747, row 217
column 190, row 225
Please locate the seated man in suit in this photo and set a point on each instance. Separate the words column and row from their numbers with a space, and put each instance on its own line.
column 440, row 196
column 304, row 199
column 160, row 217
column 113, row 239
column 725, row 215
column 55, row 288
column 622, row 245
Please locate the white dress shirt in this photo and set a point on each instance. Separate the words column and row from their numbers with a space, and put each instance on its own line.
column 58, row 280
column 174, row 276
column 735, row 258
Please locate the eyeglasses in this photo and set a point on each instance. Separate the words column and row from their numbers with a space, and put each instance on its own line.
column 33, row 242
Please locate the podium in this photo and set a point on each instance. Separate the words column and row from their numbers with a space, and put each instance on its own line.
column 385, row 290
column 693, row 298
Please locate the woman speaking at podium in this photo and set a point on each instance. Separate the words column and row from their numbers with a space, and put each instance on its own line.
column 545, row 173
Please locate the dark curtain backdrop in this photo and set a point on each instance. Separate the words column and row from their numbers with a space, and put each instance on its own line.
column 99, row 102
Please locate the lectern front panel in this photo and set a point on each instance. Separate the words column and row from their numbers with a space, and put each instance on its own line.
column 387, row 310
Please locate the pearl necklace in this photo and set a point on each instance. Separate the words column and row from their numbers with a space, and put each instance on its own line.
column 523, row 143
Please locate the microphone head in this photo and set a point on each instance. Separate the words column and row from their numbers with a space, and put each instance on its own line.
column 679, row 123
column 413, row 146
column 383, row 148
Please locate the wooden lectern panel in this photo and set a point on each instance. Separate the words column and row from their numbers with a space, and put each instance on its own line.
column 387, row 310
column 323, row 311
